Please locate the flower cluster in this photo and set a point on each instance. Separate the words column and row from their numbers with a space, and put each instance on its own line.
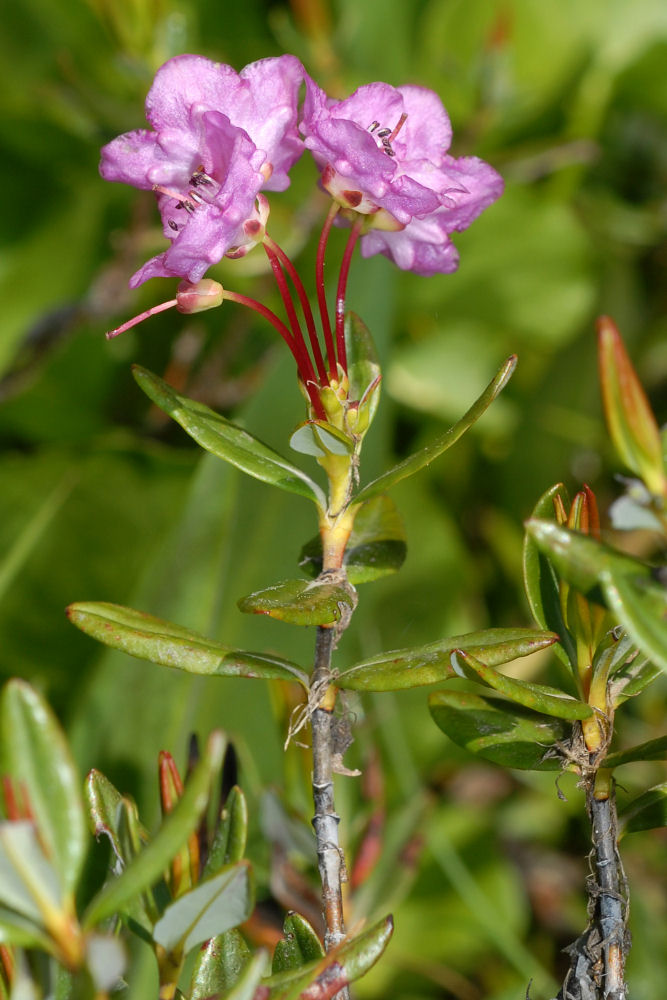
column 219, row 139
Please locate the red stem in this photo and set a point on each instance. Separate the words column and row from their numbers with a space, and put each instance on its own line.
column 270, row 244
column 321, row 294
column 342, row 288
column 297, row 334
column 298, row 348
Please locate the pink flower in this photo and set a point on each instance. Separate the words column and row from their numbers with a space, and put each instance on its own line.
column 218, row 139
column 382, row 153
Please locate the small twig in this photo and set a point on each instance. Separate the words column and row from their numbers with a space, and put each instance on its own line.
column 330, row 857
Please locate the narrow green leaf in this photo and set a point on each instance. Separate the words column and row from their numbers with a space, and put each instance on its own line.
column 548, row 700
column 327, row 976
column 650, row 750
column 298, row 602
column 229, row 842
column 432, row 451
column 376, row 547
column 632, row 679
column 29, row 883
column 214, row 906
column 640, row 604
column 150, row 638
column 431, row 664
column 148, row 866
column 219, row 965
column 249, row 980
column 492, row 728
column 23, row 932
column 541, row 582
column 581, row 559
column 105, row 960
column 647, row 812
column 115, row 816
column 637, row 600
column 36, row 756
column 300, row 945
column 632, row 425
column 363, row 366
column 233, row 444
column 319, row 438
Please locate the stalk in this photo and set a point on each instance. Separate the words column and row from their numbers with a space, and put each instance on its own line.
column 328, row 734
column 597, row 957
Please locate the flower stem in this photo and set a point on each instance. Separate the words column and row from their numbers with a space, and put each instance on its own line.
column 321, row 293
column 270, row 244
column 297, row 347
column 341, row 291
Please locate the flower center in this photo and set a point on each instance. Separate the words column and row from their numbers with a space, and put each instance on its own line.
column 198, row 194
column 387, row 135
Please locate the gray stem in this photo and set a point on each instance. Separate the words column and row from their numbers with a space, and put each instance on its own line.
column 597, row 957
column 330, row 859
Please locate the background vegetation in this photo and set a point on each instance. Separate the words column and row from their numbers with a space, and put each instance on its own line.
column 102, row 499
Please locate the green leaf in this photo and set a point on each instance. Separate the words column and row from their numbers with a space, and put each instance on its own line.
column 115, row 816
column 233, row 444
column 492, row 728
column 363, row 366
column 432, row 451
column 249, row 979
column 150, row 638
column 320, row 439
column 550, row 701
column 105, row 960
column 637, row 600
column 580, row 559
column 106, row 805
column 36, row 756
column 29, row 883
column 214, row 906
column 630, row 419
column 148, row 866
column 651, row 750
column 431, row 664
column 376, row 547
column 219, row 965
column 19, row 930
column 640, row 604
column 541, row 582
column 326, row 976
column 298, row 602
column 229, row 842
column 647, row 812
column 299, row 946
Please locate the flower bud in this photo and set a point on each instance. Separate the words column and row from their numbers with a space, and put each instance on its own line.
column 632, row 425
column 206, row 294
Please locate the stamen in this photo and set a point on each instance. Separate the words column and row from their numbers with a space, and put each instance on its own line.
column 386, row 135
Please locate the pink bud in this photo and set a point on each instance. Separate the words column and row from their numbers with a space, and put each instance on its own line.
column 206, row 294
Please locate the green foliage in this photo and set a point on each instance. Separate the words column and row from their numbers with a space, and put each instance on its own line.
column 568, row 101
column 299, row 602
column 489, row 727
column 377, row 545
column 150, row 638
column 219, row 436
column 409, row 668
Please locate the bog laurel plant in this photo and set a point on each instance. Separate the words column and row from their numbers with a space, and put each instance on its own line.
column 218, row 144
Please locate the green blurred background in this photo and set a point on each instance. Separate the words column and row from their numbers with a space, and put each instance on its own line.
column 101, row 499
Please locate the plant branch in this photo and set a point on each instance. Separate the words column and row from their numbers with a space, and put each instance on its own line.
column 597, row 957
